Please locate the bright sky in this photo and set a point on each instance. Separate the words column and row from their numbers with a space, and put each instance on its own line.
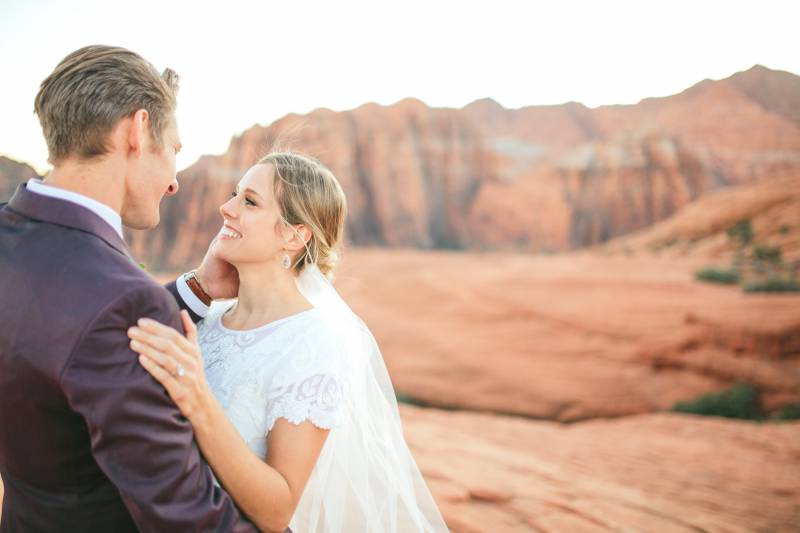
column 243, row 63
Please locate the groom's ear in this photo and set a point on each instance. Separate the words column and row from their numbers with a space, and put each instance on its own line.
column 136, row 132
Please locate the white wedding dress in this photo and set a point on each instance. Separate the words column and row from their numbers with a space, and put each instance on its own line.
column 322, row 365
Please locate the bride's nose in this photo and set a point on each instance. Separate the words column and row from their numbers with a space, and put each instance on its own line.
column 227, row 209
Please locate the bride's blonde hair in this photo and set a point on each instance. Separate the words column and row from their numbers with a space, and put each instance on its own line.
column 308, row 193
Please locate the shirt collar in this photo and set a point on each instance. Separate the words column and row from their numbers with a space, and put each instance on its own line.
column 102, row 210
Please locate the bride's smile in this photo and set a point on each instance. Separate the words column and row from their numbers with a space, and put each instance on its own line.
column 228, row 232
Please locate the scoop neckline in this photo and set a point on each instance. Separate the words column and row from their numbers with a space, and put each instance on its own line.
column 261, row 327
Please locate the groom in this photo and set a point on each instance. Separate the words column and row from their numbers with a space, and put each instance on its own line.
column 88, row 440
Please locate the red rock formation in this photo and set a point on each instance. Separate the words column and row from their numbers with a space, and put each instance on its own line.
column 410, row 174
column 12, row 173
column 775, row 91
column 589, row 195
column 543, row 178
column 699, row 229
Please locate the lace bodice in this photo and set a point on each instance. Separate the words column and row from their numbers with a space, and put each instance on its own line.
column 323, row 365
column 288, row 369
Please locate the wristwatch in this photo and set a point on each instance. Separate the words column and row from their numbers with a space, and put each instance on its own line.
column 191, row 281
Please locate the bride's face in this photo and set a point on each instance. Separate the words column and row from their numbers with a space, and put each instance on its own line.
column 251, row 230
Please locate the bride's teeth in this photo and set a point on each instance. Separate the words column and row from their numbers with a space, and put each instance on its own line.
column 229, row 233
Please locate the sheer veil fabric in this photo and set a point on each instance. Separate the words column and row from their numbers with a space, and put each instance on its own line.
column 366, row 479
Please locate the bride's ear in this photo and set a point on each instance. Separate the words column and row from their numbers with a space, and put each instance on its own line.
column 300, row 235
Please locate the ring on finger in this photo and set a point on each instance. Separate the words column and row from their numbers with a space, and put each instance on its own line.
column 180, row 371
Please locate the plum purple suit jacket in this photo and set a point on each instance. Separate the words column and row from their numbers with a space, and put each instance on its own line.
column 88, row 440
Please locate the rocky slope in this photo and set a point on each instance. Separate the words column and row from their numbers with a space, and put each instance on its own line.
column 569, row 337
column 699, row 229
column 643, row 473
column 654, row 472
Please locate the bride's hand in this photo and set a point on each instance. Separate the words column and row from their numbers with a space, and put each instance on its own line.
column 175, row 361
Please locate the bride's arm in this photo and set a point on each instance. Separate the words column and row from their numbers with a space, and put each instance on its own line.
column 266, row 491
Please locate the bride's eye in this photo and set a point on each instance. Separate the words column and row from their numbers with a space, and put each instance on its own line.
column 247, row 200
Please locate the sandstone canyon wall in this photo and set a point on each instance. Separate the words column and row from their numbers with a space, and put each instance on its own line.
column 541, row 178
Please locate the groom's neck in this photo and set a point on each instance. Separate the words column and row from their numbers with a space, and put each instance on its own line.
column 102, row 180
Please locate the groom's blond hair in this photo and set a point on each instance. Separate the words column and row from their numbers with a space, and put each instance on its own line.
column 94, row 87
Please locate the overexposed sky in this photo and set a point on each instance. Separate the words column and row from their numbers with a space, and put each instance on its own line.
column 243, row 63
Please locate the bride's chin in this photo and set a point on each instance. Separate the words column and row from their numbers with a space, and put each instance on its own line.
column 219, row 253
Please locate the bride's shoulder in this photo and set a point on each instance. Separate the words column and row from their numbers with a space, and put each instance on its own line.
column 319, row 330
column 321, row 337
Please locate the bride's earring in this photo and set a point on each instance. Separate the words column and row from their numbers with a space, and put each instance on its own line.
column 286, row 262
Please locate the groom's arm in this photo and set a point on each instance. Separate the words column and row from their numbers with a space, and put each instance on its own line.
column 187, row 298
column 139, row 439
column 220, row 280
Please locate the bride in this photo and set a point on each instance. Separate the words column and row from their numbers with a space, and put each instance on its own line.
column 284, row 386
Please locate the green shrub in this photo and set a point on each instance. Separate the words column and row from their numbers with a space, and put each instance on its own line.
column 740, row 401
column 790, row 412
column 742, row 232
column 409, row 400
column 784, row 229
column 768, row 254
column 773, row 285
column 727, row 276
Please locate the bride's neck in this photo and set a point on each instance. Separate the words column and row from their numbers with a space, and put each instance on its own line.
column 265, row 296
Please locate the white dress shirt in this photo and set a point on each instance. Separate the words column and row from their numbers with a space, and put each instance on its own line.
column 114, row 220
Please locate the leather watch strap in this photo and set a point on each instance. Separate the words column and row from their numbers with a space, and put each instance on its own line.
column 191, row 281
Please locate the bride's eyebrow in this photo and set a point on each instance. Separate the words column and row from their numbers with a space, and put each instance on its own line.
column 247, row 190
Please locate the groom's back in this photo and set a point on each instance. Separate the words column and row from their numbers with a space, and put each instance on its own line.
column 89, row 441
column 54, row 281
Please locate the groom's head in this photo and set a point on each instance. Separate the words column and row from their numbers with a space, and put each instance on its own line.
column 107, row 105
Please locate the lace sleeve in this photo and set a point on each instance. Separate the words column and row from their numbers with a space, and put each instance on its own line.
column 309, row 383
column 316, row 398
